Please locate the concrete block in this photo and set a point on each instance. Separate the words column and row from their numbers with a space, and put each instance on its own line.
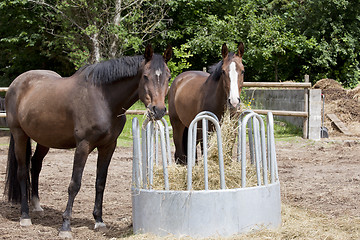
column 314, row 120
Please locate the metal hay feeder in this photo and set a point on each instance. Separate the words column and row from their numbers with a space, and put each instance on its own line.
column 206, row 213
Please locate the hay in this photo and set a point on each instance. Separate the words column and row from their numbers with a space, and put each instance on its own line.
column 297, row 223
column 178, row 174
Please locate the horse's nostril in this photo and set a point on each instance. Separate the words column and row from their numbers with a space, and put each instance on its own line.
column 158, row 112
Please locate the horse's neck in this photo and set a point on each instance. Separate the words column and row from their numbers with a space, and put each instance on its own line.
column 214, row 99
column 122, row 94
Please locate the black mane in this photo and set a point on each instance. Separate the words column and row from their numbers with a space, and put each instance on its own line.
column 216, row 69
column 111, row 70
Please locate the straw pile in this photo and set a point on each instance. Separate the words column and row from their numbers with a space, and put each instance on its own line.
column 178, row 174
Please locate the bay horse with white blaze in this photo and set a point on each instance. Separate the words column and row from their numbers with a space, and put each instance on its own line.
column 195, row 91
column 84, row 111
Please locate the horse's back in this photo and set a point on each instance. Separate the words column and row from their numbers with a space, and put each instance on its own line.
column 24, row 81
column 35, row 103
column 23, row 84
column 34, row 75
column 185, row 95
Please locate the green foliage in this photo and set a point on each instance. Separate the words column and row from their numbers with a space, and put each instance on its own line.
column 24, row 43
column 284, row 39
column 179, row 61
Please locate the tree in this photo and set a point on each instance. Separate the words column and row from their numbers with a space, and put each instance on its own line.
column 25, row 44
column 335, row 25
column 95, row 30
column 283, row 39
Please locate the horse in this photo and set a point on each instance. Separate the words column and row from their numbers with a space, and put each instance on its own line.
column 195, row 91
column 84, row 111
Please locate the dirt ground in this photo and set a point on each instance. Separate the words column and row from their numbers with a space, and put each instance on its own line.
column 321, row 176
column 318, row 176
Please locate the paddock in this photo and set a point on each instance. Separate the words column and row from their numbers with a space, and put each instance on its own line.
column 319, row 184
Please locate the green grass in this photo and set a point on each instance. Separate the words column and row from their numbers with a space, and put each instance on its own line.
column 286, row 130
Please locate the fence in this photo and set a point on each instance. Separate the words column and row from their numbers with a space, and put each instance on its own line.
column 311, row 113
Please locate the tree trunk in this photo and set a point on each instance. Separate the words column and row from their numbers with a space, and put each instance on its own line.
column 113, row 47
column 96, row 48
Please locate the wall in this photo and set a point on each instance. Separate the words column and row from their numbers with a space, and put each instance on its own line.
column 290, row 100
column 278, row 99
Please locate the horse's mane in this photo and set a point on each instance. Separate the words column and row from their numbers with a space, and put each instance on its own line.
column 215, row 70
column 111, row 70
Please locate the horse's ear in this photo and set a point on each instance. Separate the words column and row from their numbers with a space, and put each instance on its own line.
column 168, row 53
column 148, row 52
column 241, row 49
column 224, row 51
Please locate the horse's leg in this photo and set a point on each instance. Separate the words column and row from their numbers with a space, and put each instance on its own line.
column 36, row 164
column 22, row 154
column 180, row 144
column 104, row 157
column 81, row 154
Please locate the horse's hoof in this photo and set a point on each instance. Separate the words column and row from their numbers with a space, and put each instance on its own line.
column 36, row 204
column 100, row 226
column 38, row 210
column 65, row 235
column 25, row 222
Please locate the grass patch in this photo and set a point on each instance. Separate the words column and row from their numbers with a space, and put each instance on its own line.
column 283, row 129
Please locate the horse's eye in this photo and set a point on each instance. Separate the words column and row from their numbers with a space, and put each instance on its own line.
column 146, row 78
column 242, row 72
column 223, row 72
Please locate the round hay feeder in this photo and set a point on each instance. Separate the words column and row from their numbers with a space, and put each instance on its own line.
column 206, row 213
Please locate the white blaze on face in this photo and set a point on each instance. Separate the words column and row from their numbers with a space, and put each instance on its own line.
column 234, row 88
column 158, row 73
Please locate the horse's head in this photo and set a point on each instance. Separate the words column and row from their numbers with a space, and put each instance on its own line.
column 232, row 74
column 154, row 82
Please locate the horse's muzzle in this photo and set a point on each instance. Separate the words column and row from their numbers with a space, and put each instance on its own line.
column 233, row 104
column 156, row 113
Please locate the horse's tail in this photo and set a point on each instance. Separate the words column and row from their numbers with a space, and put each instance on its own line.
column 12, row 186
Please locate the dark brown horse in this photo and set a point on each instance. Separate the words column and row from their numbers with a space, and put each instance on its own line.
column 195, row 91
column 84, row 111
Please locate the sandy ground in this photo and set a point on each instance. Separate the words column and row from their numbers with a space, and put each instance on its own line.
column 320, row 176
